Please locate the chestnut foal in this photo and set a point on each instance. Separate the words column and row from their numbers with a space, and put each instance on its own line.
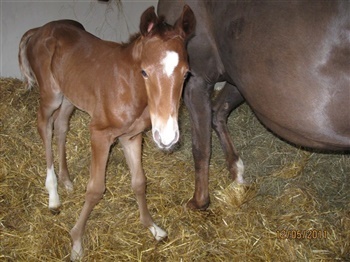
column 123, row 87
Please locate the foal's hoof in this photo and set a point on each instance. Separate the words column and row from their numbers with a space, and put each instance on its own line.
column 68, row 185
column 55, row 211
column 76, row 255
column 77, row 248
column 54, row 205
column 193, row 204
column 158, row 233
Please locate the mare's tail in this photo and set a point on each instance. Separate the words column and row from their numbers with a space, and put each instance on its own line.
column 24, row 65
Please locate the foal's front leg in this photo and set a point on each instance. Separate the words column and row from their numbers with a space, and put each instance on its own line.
column 132, row 152
column 100, row 144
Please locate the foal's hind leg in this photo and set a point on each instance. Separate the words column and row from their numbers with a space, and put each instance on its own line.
column 61, row 126
column 48, row 105
column 228, row 99
column 132, row 152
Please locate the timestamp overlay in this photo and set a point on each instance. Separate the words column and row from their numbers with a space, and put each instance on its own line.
column 302, row 234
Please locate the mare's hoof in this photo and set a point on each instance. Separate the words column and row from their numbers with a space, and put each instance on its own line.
column 193, row 204
column 240, row 181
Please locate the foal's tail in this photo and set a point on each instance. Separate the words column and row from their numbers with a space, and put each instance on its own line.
column 24, row 65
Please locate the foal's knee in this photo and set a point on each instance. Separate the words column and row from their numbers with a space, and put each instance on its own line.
column 94, row 194
column 60, row 128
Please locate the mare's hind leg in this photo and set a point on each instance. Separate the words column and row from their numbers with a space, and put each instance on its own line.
column 49, row 103
column 132, row 152
column 61, row 126
column 227, row 100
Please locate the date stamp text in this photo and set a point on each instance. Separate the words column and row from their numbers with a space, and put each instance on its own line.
column 302, row 234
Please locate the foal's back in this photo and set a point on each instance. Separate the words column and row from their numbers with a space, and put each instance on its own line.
column 78, row 64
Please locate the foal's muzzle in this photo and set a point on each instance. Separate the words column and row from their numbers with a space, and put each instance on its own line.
column 165, row 143
column 166, row 135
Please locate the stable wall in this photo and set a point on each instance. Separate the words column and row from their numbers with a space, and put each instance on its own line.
column 109, row 21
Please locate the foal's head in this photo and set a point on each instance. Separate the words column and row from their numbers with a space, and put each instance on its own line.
column 164, row 67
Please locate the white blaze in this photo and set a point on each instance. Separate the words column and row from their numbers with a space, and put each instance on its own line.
column 169, row 62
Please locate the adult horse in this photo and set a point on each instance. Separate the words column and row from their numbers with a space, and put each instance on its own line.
column 290, row 61
column 123, row 87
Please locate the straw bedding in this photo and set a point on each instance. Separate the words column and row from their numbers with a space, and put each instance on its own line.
column 296, row 208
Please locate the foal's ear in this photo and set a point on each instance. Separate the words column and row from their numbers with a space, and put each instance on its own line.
column 148, row 20
column 186, row 23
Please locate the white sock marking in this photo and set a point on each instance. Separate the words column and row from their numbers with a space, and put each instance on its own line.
column 170, row 61
column 51, row 186
column 240, row 171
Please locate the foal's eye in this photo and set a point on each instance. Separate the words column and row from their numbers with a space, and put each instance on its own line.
column 187, row 74
column 144, row 74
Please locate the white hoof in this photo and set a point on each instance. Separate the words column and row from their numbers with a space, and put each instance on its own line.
column 158, row 233
column 77, row 252
column 68, row 186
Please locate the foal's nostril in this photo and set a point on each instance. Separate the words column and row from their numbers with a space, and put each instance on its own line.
column 156, row 136
column 176, row 137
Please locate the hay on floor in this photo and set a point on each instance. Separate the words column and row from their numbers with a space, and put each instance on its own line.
column 296, row 208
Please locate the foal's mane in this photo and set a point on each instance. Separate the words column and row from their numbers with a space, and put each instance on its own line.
column 132, row 39
column 164, row 30
column 161, row 28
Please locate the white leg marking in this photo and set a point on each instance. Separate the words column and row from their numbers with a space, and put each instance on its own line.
column 51, row 186
column 170, row 61
column 157, row 232
column 240, row 171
